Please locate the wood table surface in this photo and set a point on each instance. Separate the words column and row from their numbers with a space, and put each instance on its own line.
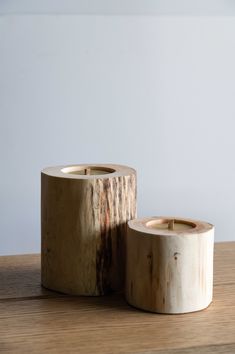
column 36, row 320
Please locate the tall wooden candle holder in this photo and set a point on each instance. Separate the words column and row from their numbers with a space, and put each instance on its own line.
column 84, row 211
column 169, row 264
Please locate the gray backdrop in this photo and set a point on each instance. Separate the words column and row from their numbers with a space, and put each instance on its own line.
column 153, row 91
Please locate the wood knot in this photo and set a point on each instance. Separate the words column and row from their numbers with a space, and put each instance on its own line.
column 150, row 260
column 175, row 255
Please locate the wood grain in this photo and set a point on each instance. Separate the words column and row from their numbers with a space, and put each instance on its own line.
column 83, row 227
column 30, row 323
column 20, row 277
column 20, row 274
column 169, row 270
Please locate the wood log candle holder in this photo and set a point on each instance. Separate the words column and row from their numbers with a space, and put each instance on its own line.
column 169, row 264
column 84, row 211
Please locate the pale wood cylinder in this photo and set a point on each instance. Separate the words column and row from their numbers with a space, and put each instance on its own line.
column 169, row 270
column 84, row 211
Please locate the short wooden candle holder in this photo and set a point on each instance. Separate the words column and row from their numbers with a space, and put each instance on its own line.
column 84, row 210
column 169, row 264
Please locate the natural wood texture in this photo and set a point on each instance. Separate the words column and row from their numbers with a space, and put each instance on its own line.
column 20, row 277
column 169, row 264
column 84, row 210
column 30, row 323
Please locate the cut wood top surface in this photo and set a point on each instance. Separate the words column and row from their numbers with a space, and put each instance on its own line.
column 36, row 320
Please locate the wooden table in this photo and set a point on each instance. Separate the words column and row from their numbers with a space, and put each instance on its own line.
column 35, row 320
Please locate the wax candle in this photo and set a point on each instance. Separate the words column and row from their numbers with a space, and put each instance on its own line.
column 84, row 211
column 170, row 224
column 87, row 170
column 169, row 264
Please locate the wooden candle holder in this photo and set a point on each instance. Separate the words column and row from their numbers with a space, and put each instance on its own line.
column 84, row 210
column 169, row 264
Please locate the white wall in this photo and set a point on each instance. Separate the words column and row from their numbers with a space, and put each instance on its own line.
column 120, row 7
column 153, row 92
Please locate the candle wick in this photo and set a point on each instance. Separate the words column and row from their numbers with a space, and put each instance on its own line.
column 171, row 224
column 87, row 171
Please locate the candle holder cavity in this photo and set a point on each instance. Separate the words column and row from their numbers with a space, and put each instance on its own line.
column 84, row 211
column 169, row 264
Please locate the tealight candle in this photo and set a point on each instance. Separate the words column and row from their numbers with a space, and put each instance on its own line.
column 170, row 224
column 169, row 264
